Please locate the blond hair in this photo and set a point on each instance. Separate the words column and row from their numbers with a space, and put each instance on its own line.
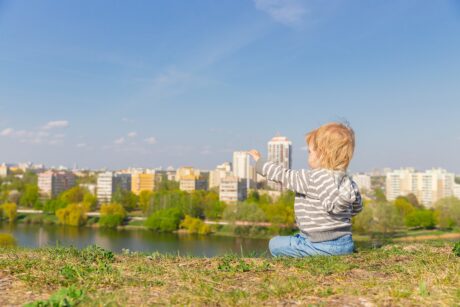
column 334, row 143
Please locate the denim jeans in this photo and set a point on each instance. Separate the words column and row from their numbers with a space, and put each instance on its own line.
column 299, row 246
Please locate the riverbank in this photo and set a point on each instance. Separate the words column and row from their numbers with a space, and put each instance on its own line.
column 398, row 274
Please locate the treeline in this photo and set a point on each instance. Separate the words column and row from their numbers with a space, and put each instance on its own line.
column 381, row 216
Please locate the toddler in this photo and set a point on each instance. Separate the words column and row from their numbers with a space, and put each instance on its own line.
column 326, row 197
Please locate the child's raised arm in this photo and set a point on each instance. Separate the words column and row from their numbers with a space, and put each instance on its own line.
column 296, row 181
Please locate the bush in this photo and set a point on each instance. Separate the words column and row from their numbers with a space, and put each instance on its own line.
column 112, row 215
column 7, row 240
column 10, row 211
column 447, row 212
column 421, row 218
column 194, row 225
column 380, row 217
column 52, row 205
column 164, row 220
column 73, row 215
column 456, row 249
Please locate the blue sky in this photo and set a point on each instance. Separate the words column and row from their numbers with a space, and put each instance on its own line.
column 158, row 83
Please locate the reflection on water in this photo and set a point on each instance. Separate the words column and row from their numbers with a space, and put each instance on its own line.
column 134, row 240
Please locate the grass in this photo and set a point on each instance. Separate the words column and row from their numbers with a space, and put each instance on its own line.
column 396, row 274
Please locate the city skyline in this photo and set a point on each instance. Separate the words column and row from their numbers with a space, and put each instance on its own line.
column 159, row 84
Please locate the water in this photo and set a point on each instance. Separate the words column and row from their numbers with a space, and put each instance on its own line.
column 135, row 240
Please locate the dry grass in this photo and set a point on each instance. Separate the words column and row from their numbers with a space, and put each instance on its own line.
column 402, row 274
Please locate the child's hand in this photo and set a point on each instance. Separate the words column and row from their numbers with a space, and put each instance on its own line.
column 255, row 154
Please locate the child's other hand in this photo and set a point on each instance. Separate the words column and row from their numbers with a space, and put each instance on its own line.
column 255, row 154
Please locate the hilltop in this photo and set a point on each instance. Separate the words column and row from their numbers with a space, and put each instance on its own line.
column 396, row 274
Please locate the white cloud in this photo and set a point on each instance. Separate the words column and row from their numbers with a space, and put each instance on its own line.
column 286, row 12
column 81, row 145
column 132, row 134
column 56, row 124
column 7, row 132
column 119, row 141
column 151, row 140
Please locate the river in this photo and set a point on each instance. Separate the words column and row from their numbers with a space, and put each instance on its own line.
column 140, row 240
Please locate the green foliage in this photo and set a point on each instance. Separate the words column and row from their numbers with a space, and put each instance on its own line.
column 9, row 211
column 127, row 199
column 166, row 185
column 7, row 240
column 282, row 211
column 245, row 212
column 52, row 205
column 145, row 200
column 73, row 196
column 380, row 195
column 30, row 197
column 363, row 221
column 94, row 253
column 65, row 297
column 194, row 225
column 112, row 215
column 164, row 220
column 213, row 208
column 378, row 218
column 456, row 249
column 404, row 206
column 421, row 218
column 447, row 212
column 72, row 215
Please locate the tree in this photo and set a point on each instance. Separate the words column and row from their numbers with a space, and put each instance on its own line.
column 164, row 220
column 194, row 225
column 73, row 215
column 421, row 218
column 10, row 211
column 127, row 199
column 362, row 222
column 30, row 196
column 447, row 212
column 379, row 195
column 145, row 200
column 73, row 195
column 404, row 206
column 112, row 215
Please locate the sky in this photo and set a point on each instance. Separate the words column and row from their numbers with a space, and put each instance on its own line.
column 113, row 84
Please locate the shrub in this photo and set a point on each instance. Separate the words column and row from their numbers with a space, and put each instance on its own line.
column 112, row 215
column 164, row 220
column 7, row 240
column 52, row 205
column 73, row 215
column 194, row 225
column 10, row 211
column 456, row 249
column 421, row 218
column 447, row 212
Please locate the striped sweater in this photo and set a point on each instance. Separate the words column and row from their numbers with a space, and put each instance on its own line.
column 325, row 199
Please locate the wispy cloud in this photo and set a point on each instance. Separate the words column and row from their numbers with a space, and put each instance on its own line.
column 286, row 12
column 119, row 141
column 151, row 140
column 41, row 135
column 132, row 134
column 56, row 124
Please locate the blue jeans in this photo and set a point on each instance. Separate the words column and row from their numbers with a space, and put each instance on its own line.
column 299, row 246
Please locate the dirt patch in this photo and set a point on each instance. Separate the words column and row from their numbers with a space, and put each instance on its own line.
column 429, row 237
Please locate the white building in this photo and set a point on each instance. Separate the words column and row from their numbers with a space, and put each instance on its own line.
column 457, row 190
column 4, row 170
column 428, row 186
column 280, row 152
column 109, row 182
column 52, row 183
column 232, row 189
column 363, row 181
column 242, row 167
column 223, row 170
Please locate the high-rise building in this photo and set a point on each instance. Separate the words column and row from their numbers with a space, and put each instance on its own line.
column 52, row 183
column 4, row 170
column 223, row 170
column 279, row 152
column 232, row 189
column 457, row 190
column 428, row 186
column 363, row 181
column 142, row 182
column 191, row 183
column 109, row 182
column 186, row 172
column 241, row 164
